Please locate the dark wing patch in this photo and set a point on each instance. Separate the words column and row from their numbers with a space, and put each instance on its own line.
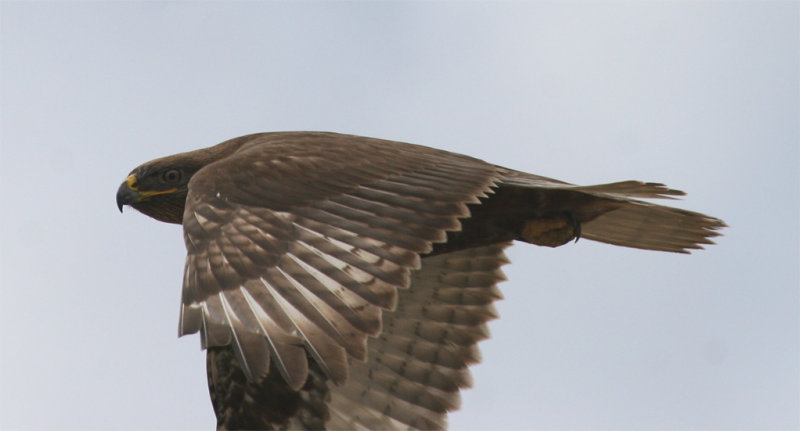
column 316, row 274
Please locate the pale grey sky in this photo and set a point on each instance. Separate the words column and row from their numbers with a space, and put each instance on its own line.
column 703, row 96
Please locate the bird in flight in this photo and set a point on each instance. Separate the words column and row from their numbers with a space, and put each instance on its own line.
column 342, row 282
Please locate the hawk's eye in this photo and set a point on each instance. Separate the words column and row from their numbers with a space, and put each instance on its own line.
column 171, row 176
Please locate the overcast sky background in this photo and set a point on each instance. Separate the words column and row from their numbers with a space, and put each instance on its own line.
column 703, row 96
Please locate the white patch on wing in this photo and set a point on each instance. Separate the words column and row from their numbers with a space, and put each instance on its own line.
column 295, row 315
column 324, row 309
column 261, row 315
column 334, row 286
column 307, row 329
column 356, row 274
column 363, row 255
column 224, row 258
column 230, row 315
column 264, row 318
column 202, row 220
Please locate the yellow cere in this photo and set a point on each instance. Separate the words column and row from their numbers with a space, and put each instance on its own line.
column 131, row 182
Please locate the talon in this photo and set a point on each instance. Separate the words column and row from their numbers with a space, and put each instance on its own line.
column 576, row 225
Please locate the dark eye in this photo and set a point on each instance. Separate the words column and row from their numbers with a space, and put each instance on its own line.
column 171, row 176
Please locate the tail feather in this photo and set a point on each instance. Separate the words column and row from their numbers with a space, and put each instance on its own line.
column 634, row 189
column 612, row 213
column 645, row 225
column 653, row 227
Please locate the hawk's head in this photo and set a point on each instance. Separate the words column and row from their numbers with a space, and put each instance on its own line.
column 158, row 189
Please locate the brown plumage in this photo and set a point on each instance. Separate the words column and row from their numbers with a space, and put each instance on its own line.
column 343, row 282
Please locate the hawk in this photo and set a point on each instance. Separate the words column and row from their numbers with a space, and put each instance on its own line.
column 342, row 282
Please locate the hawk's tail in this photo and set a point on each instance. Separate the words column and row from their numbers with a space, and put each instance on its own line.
column 612, row 213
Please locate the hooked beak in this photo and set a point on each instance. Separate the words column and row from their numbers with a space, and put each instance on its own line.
column 127, row 193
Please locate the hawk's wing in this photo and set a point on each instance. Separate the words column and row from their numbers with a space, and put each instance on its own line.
column 418, row 363
column 295, row 247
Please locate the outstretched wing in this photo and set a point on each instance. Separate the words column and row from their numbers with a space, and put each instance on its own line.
column 296, row 246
